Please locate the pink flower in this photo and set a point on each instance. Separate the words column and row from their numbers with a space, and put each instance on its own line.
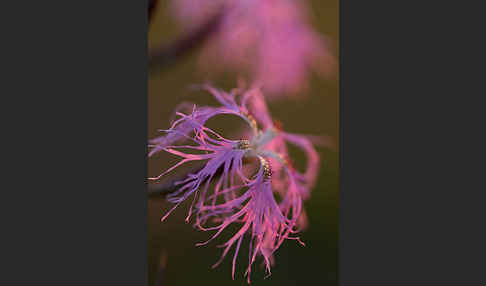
column 239, row 195
column 278, row 144
column 259, row 214
column 218, row 151
column 269, row 39
column 181, row 127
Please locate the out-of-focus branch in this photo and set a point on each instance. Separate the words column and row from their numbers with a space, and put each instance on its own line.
column 151, row 9
column 164, row 56
column 169, row 186
column 161, row 273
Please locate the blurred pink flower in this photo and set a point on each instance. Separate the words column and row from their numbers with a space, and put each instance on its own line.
column 269, row 39
column 287, row 180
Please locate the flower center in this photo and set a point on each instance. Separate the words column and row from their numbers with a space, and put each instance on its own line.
column 267, row 171
column 263, row 138
column 243, row 145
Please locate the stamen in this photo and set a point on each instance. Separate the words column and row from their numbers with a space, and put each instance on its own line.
column 286, row 161
column 251, row 119
column 267, row 171
column 243, row 145
column 278, row 124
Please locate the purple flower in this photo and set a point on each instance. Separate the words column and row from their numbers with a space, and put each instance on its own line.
column 241, row 195
column 218, row 151
column 186, row 124
column 259, row 214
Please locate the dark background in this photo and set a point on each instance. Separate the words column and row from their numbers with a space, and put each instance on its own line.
column 317, row 113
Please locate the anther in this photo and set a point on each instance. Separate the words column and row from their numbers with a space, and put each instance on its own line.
column 243, row 144
column 267, row 171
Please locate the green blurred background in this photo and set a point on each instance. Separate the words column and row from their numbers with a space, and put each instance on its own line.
column 173, row 240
